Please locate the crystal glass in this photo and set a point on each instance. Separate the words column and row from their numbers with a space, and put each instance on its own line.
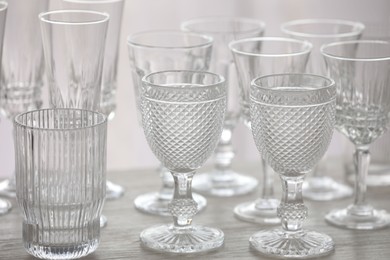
column 60, row 180
column 320, row 186
column 182, row 117
column 292, row 117
column 163, row 50
column 22, row 66
column 361, row 70
column 108, row 89
column 223, row 181
column 255, row 57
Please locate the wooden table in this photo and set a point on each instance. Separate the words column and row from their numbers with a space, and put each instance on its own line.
column 120, row 239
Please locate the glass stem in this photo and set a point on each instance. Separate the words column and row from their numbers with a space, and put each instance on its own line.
column 224, row 154
column 268, row 181
column 362, row 161
column 167, row 184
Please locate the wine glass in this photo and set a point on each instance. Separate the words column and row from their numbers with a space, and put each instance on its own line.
column 153, row 51
column 361, row 70
column 182, row 117
column 292, row 117
column 222, row 181
column 319, row 186
column 255, row 57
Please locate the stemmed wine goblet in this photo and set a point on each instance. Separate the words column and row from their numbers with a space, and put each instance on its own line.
column 320, row 186
column 361, row 70
column 222, row 181
column 292, row 118
column 255, row 57
column 182, row 117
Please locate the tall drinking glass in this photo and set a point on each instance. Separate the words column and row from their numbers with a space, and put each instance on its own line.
column 108, row 90
column 163, row 50
column 320, row 31
column 22, row 66
column 255, row 57
column 222, row 181
column 361, row 70
column 182, row 117
column 292, row 117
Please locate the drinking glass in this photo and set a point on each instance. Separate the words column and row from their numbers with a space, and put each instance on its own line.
column 60, row 179
column 293, row 117
column 21, row 66
column 108, row 89
column 182, row 117
column 361, row 70
column 222, row 181
column 319, row 186
column 163, row 50
column 255, row 57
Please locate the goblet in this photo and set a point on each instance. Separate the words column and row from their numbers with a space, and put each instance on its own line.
column 162, row 50
column 319, row 186
column 361, row 70
column 222, row 181
column 182, row 117
column 255, row 57
column 292, row 117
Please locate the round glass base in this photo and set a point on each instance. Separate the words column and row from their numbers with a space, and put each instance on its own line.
column 363, row 218
column 167, row 238
column 5, row 206
column 8, row 188
column 228, row 184
column 153, row 203
column 323, row 188
column 113, row 191
column 300, row 245
column 103, row 221
column 262, row 211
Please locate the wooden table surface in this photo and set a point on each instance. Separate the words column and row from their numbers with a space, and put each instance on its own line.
column 119, row 240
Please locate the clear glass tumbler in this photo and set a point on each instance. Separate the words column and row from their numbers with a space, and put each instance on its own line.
column 60, row 180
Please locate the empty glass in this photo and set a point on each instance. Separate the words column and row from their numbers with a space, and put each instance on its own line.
column 182, row 118
column 292, row 117
column 361, row 70
column 60, row 178
column 255, row 57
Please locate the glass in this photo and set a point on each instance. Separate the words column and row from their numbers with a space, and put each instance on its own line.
column 319, row 186
column 255, row 57
column 361, row 70
column 293, row 117
column 108, row 89
column 222, row 181
column 156, row 51
column 60, row 180
column 182, row 118
column 21, row 66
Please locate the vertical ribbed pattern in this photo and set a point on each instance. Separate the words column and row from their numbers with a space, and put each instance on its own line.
column 60, row 178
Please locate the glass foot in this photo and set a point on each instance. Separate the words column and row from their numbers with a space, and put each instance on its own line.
column 8, row 188
column 153, row 203
column 228, row 184
column 113, row 191
column 103, row 221
column 323, row 188
column 262, row 211
column 300, row 245
column 5, row 206
column 355, row 217
column 167, row 238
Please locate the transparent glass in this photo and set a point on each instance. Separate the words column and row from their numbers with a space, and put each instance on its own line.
column 108, row 89
column 22, row 66
column 361, row 70
column 320, row 186
column 154, row 51
column 292, row 117
column 182, row 118
column 222, row 181
column 60, row 180
column 255, row 57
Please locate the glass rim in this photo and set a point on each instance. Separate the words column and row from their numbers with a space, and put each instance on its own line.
column 307, row 44
column 339, row 57
column 3, row 5
column 184, row 25
column 105, row 17
column 131, row 42
column 93, row 1
column 360, row 27
column 17, row 121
